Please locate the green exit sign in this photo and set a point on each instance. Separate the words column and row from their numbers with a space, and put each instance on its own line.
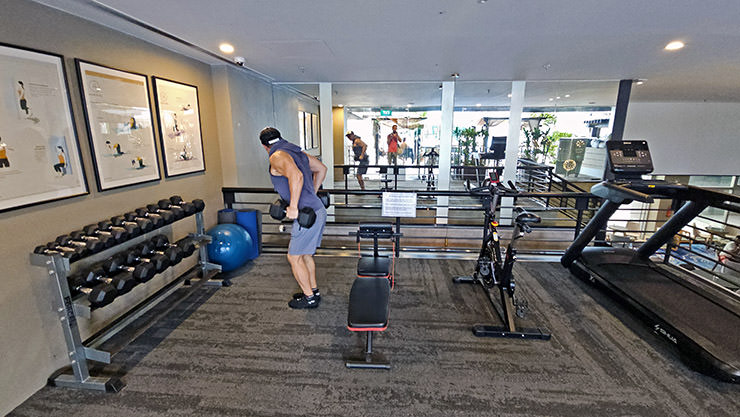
column 386, row 112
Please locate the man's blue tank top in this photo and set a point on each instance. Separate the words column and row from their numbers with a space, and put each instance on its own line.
column 308, row 194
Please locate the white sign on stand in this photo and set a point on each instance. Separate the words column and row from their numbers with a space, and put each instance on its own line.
column 399, row 204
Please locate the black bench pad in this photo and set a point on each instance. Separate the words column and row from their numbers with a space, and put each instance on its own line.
column 368, row 304
column 372, row 266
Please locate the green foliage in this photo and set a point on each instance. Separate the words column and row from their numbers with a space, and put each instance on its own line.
column 466, row 140
column 538, row 141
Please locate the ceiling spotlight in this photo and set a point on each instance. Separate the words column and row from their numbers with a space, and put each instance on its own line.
column 550, row 99
column 674, row 46
column 440, row 86
column 478, row 105
column 226, row 48
column 557, row 98
column 340, row 105
column 567, row 96
column 508, row 95
column 482, row 1
column 640, row 82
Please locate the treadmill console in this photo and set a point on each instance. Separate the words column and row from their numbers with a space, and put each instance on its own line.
column 631, row 157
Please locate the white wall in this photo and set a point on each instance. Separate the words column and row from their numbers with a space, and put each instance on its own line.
column 249, row 104
column 688, row 138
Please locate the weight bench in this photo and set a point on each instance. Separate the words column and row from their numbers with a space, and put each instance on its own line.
column 376, row 266
column 368, row 312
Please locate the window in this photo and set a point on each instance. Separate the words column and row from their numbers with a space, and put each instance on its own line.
column 308, row 130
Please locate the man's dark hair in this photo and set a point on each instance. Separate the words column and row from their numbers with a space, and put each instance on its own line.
column 269, row 135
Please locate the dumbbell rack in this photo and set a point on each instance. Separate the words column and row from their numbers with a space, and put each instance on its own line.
column 59, row 267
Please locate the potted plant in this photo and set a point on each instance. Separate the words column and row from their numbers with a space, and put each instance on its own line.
column 538, row 141
column 466, row 140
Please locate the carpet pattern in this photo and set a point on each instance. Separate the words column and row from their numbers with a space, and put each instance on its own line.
column 240, row 351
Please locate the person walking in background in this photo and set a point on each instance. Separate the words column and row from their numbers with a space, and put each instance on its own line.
column 359, row 149
column 393, row 141
column 403, row 150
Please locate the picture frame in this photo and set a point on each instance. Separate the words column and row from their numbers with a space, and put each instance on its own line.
column 119, row 125
column 180, row 131
column 40, row 159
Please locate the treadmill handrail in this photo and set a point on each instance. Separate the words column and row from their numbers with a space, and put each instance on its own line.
column 618, row 193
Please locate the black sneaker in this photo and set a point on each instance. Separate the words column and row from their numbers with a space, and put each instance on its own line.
column 304, row 302
column 316, row 294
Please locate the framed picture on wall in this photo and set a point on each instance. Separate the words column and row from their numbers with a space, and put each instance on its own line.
column 178, row 114
column 39, row 152
column 119, row 125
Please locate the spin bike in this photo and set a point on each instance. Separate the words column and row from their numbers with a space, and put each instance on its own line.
column 494, row 270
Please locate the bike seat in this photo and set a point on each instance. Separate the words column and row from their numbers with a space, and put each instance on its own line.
column 526, row 218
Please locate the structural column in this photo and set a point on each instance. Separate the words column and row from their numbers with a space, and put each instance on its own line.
column 445, row 148
column 327, row 138
column 512, row 146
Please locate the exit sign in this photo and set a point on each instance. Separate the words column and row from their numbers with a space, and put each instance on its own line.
column 385, row 112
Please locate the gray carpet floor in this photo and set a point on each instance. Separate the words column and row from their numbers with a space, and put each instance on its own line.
column 240, row 351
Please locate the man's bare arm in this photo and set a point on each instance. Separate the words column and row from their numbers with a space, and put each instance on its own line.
column 318, row 169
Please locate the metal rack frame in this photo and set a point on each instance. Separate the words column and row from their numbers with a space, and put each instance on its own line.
column 68, row 310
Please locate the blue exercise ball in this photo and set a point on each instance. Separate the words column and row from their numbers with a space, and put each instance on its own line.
column 230, row 247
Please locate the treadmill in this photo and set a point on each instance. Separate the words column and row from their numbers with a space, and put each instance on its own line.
column 700, row 318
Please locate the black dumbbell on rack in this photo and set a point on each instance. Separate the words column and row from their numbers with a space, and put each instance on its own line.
column 122, row 282
column 144, row 225
column 306, row 215
column 157, row 219
column 198, row 204
column 142, row 272
column 89, row 247
column 173, row 254
column 186, row 244
column 52, row 248
column 135, row 256
column 118, row 235
column 131, row 229
column 176, row 212
column 82, row 236
column 99, row 296
column 186, row 208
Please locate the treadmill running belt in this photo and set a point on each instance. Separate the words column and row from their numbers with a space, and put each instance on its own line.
column 706, row 322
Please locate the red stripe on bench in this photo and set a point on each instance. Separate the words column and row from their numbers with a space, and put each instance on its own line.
column 367, row 329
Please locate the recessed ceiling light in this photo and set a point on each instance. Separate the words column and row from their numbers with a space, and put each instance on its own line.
column 477, row 105
column 508, row 95
column 340, row 105
column 674, row 46
column 557, row 98
column 482, row 1
column 550, row 99
column 567, row 96
column 226, row 48
column 640, row 82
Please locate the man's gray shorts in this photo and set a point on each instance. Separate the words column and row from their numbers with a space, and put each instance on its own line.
column 305, row 241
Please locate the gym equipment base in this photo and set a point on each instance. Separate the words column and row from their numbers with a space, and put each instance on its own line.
column 93, row 383
column 372, row 360
column 482, row 330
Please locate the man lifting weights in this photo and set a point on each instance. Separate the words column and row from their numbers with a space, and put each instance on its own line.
column 296, row 176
